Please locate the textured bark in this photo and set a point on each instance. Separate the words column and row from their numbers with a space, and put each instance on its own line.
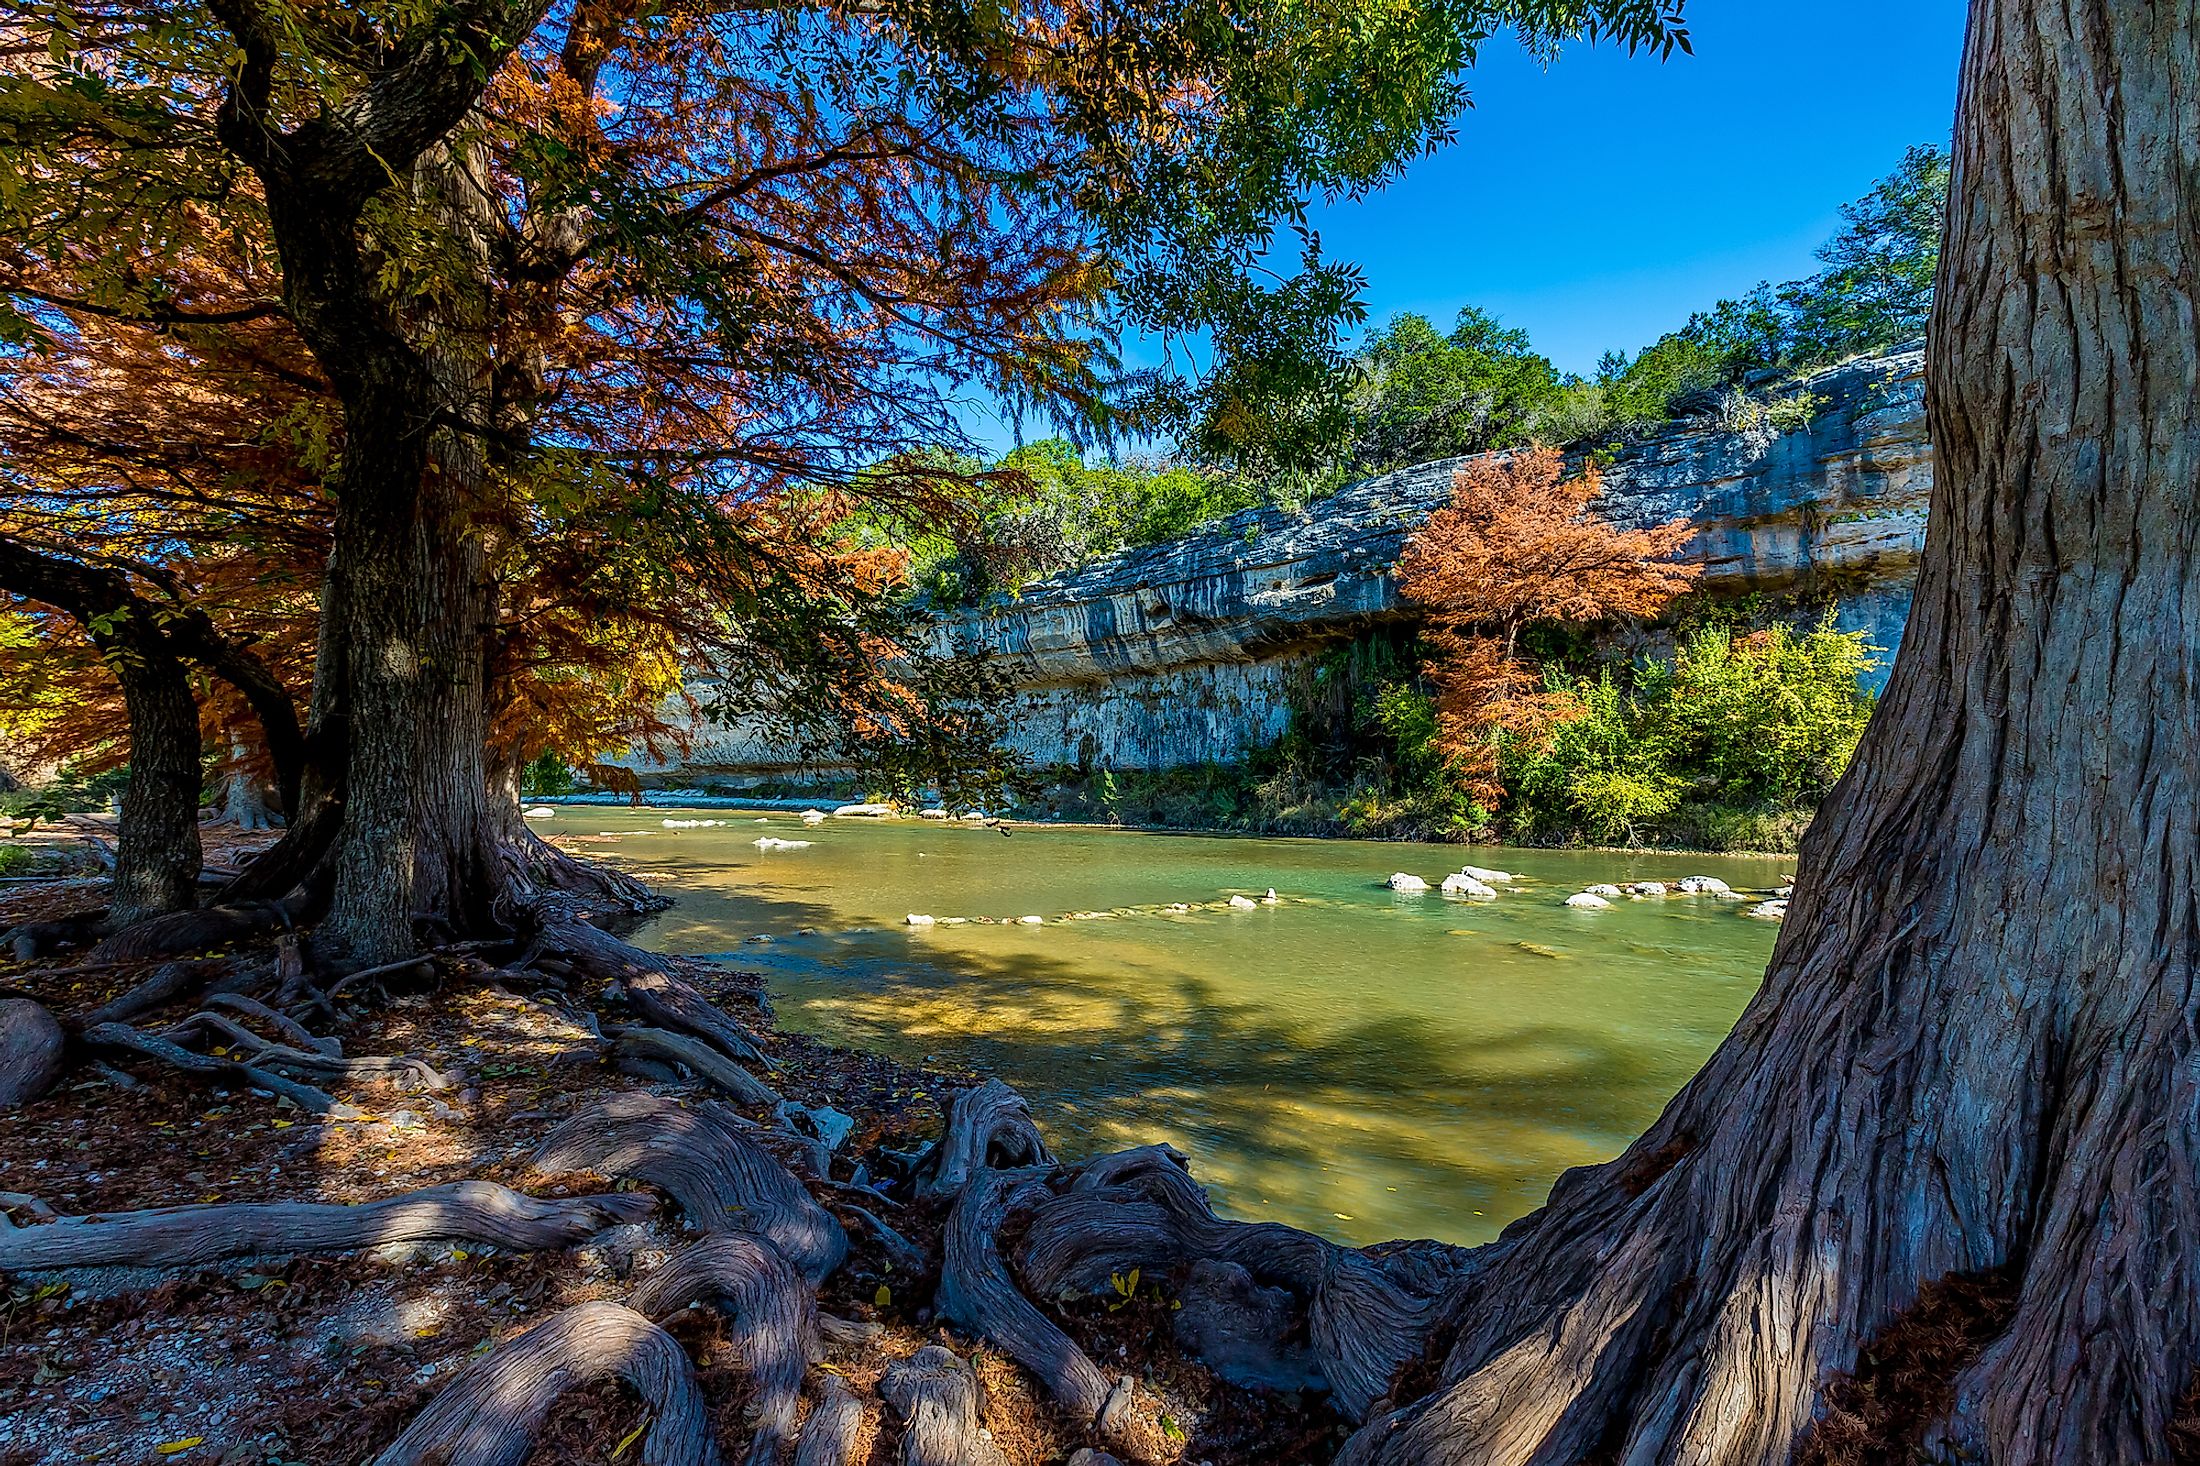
column 704, row 1062
column 987, row 1126
column 490, row 1414
column 1358, row 1319
column 30, row 1051
column 121, row 1039
column 772, row 1317
column 976, row 1292
column 936, row 1395
column 1974, row 1051
column 185, row 1236
column 651, row 984
column 191, row 931
column 724, row 1181
column 834, row 1429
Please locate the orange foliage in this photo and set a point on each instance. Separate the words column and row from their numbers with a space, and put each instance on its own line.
column 1520, row 546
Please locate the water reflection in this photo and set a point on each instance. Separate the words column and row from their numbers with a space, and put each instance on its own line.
column 1375, row 1064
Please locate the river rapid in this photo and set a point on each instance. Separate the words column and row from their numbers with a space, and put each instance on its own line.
column 1349, row 1059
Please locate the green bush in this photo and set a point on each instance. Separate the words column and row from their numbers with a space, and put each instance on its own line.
column 1720, row 746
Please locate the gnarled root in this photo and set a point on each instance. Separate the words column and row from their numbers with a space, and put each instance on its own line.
column 724, row 1181
column 31, row 1043
column 772, row 1314
column 125, row 1039
column 833, row 1431
column 706, row 1063
column 490, row 1414
column 651, row 983
column 936, row 1395
column 192, row 931
column 1362, row 1321
column 182, row 1236
column 262, row 1053
column 987, row 1127
column 976, row 1291
column 294, row 1033
column 165, row 984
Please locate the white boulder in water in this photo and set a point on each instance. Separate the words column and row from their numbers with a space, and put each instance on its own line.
column 539, row 812
column 915, row 919
column 1647, row 888
column 773, row 842
column 1271, row 898
column 1609, row 893
column 1244, row 903
column 934, row 813
column 1587, row 901
column 1463, row 884
column 814, row 816
column 1774, row 910
column 864, row 811
column 1403, row 882
column 1704, row 886
column 1031, row 921
column 1487, row 877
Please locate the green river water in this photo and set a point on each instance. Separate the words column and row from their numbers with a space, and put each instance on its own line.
column 1367, row 1064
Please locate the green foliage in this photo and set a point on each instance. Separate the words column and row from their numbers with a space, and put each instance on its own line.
column 1047, row 509
column 547, row 777
column 1734, row 729
column 1422, row 396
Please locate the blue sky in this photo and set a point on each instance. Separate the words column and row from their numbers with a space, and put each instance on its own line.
column 1599, row 201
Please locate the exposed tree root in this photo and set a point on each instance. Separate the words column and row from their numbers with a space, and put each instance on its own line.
column 166, row 983
column 122, row 1038
column 490, row 1414
column 294, row 1033
column 183, row 1236
column 835, row 1427
column 936, row 1395
column 262, row 1053
column 723, row 1180
column 29, row 940
column 987, row 1127
column 976, row 1291
column 772, row 1315
column 650, row 983
column 705, row 1062
column 176, row 932
column 31, row 1043
column 1362, row 1321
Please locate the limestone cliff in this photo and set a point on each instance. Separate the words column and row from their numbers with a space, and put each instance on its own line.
column 1186, row 652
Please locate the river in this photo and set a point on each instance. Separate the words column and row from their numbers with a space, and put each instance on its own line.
column 1364, row 1063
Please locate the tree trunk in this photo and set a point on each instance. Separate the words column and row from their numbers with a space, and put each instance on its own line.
column 1974, row 1052
column 410, row 585
column 157, row 850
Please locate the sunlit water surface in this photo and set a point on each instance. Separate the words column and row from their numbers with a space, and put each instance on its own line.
column 1371, row 1064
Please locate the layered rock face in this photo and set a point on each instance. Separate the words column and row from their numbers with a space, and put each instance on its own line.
column 1189, row 652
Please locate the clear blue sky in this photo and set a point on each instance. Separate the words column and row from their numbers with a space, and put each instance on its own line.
column 1599, row 201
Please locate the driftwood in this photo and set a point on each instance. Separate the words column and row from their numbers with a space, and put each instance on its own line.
column 772, row 1317
column 263, row 1053
column 830, row 1435
column 490, row 1414
column 987, row 1127
column 122, row 1038
column 724, row 1181
column 705, row 1062
column 181, row 1236
column 976, row 1292
column 936, row 1395
column 653, row 985
column 1362, row 1321
column 31, row 1044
